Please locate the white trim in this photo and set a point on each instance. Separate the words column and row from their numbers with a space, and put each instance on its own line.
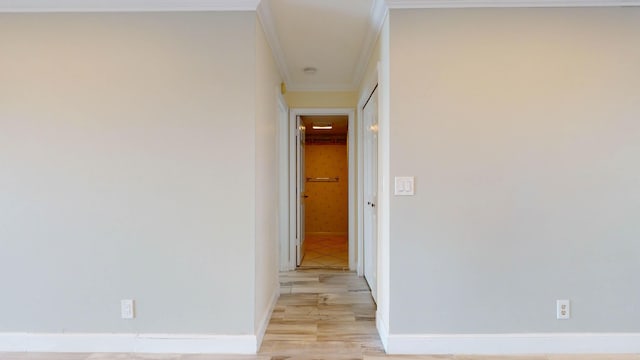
column 366, row 92
column 129, row 343
column 435, row 4
column 269, row 27
column 352, row 191
column 264, row 322
column 360, row 204
column 293, row 196
column 284, row 228
column 126, row 5
column 376, row 17
column 320, row 87
column 293, row 113
column 509, row 344
column 384, row 173
column 383, row 330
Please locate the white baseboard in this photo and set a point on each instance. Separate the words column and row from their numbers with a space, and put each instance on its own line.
column 140, row 343
column 264, row 322
column 509, row 344
column 383, row 330
column 129, row 343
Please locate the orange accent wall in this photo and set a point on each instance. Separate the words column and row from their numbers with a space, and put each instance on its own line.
column 327, row 207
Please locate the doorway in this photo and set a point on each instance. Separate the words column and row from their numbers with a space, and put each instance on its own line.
column 332, row 236
column 325, row 191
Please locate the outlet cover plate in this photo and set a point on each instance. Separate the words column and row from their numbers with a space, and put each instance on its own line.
column 563, row 309
column 127, row 309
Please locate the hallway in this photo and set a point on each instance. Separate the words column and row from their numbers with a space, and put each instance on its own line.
column 322, row 314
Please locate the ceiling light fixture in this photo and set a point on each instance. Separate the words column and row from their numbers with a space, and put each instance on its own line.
column 310, row 70
column 322, row 127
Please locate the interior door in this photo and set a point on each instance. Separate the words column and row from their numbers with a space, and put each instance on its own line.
column 370, row 231
column 300, row 185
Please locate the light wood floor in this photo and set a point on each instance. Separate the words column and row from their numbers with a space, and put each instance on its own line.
column 321, row 314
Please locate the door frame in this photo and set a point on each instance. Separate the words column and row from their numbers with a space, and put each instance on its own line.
column 364, row 259
column 288, row 243
column 367, row 91
column 301, row 202
column 283, row 180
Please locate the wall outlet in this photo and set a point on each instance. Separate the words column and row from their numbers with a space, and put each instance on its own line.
column 563, row 309
column 127, row 309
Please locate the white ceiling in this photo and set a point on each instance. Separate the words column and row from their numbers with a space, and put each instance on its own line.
column 334, row 36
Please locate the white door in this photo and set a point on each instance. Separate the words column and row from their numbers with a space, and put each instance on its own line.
column 300, row 195
column 370, row 231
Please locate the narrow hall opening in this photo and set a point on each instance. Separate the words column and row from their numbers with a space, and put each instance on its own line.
column 326, row 192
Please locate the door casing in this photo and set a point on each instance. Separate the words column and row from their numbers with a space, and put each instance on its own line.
column 288, row 259
column 370, row 190
column 283, row 179
column 300, row 138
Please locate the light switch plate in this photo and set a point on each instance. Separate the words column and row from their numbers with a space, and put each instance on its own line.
column 404, row 186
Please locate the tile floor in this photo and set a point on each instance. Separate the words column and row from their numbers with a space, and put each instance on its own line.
column 322, row 314
column 326, row 251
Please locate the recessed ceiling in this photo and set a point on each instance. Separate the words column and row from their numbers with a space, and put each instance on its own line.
column 335, row 37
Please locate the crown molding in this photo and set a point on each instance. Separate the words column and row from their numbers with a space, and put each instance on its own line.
column 333, row 87
column 126, row 5
column 269, row 27
column 435, row 4
column 377, row 15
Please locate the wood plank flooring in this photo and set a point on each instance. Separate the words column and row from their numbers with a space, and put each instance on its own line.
column 322, row 314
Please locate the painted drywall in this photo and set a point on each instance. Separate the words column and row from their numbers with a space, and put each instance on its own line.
column 327, row 207
column 127, row 171
column 266, row 245
column 321, row 99
column 521, row 129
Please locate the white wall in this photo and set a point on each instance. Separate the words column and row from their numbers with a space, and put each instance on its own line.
column 266, row 163
column 521, row 128
column 128, row 171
